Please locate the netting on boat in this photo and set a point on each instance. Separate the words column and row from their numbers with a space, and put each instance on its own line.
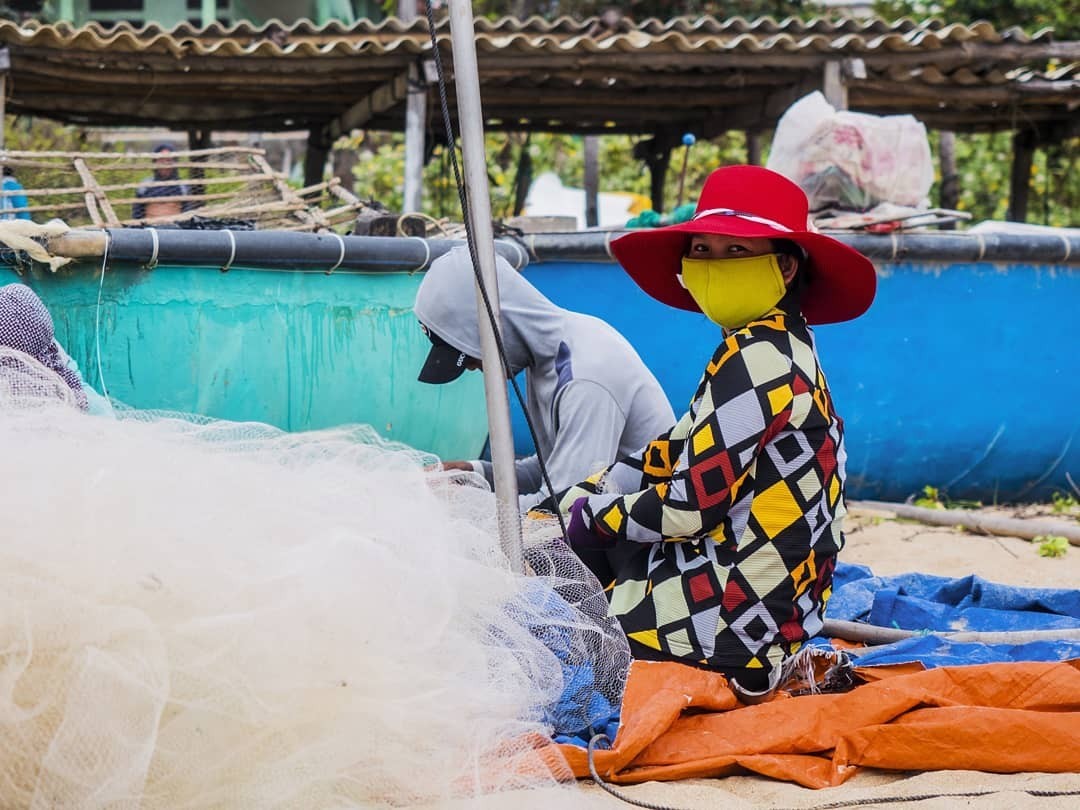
column 199, row 613
column 27, row 383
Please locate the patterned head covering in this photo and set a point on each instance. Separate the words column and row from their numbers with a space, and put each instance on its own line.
column 27, row 327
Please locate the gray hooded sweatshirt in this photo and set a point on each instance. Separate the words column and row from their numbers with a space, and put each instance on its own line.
column 590, row 397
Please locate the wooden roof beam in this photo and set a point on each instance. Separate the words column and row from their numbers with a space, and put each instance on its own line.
column 382, row 98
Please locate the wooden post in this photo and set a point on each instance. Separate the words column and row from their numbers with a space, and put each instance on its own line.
column 95, row 194
column 753, row 147
column 67, row 11
column 5, row 66
column 523, row 178
column 833, row 85
column 950, row 181
column 343, row 162
column 656, row 152
column 1024, row 143
column 315, row 158
column 208, row 12
column 198, row 139
column 592, row 180
column 291, row 197
column 415, row 125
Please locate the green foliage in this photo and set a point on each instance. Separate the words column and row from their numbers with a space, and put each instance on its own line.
column 1052, row 545
column 984, row 164
column 930, row 498
column 1063, row 503
column 643, row 9
column 1031, row 15
column 933, row 498
column 380, row 170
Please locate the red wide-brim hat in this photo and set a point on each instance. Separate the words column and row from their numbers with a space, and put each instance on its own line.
column 752, row 202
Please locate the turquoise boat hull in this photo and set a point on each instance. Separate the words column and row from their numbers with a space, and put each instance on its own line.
column 296, row 350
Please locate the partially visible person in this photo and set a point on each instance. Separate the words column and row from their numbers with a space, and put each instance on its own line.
column 590, row 397
column 26, row 326
column 720, row 536
column 13, row 197
column 149, row 206
column 96, row 404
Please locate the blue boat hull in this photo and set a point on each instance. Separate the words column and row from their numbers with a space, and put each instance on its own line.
column 962, row 376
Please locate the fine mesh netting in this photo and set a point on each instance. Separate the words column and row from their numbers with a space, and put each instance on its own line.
column 207, row 614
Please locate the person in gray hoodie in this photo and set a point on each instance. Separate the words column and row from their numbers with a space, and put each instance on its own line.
column 590, row 397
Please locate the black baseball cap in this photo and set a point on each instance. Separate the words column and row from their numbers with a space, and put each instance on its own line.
column 444, row 363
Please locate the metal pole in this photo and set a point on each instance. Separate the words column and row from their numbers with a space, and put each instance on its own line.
column 415, row 124
column 471, row 124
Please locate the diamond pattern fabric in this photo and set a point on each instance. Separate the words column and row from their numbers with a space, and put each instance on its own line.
column 740, row 506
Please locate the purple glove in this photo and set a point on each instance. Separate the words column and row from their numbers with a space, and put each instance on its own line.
column 579, row 535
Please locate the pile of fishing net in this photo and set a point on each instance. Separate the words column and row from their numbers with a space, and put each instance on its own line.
column 201, row 614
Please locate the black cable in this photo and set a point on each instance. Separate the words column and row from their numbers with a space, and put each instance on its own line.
column 471, row 241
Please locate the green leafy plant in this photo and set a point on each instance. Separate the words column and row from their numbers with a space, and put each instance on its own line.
column 930, row 499
column 1052, row 545
column 934, row 498
column 1063, row 503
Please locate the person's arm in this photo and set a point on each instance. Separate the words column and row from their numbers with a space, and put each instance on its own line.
column 589, row 426
column 746, row 404
column 630, row 473
column 526, row 470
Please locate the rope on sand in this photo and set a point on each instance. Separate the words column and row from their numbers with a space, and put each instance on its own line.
column 1027, row 528
column 919, row 797
column 873, row 634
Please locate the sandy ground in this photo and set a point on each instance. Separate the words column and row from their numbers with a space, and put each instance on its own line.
column 894, row 547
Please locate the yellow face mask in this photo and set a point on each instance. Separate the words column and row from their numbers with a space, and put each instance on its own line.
column 732, row 292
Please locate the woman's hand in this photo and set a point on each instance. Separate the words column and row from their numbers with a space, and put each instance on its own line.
column 447, row 466
column 580, row 535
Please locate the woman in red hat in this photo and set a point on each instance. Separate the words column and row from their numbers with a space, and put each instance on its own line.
column 718, row 540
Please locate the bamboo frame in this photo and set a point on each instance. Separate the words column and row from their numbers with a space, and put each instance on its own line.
column 262, row 195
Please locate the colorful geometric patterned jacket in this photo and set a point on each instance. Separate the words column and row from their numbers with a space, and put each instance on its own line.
column 725, row 530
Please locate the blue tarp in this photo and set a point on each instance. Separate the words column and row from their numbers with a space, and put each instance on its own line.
column 922, row 602
column 919, row 602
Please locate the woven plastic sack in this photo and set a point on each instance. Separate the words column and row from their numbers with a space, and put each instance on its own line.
column 852, row 161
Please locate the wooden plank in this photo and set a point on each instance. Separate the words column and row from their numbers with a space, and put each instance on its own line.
column 378, row 101
column 276, row 207
column 206, row 181
column 95, row 191
column 288, row 195
column 833, row 85
column 178, row 153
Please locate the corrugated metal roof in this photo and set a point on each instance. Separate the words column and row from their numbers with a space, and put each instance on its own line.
column 680, row 35
column 701, row 74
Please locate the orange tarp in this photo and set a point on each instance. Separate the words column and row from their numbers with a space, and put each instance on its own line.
column 679, row 722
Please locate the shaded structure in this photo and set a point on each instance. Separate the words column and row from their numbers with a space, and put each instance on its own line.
column 662, row 79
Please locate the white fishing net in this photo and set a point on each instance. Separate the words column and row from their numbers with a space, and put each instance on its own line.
column 201, row 614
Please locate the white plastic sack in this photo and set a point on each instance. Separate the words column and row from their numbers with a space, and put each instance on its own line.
column 852, row 161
